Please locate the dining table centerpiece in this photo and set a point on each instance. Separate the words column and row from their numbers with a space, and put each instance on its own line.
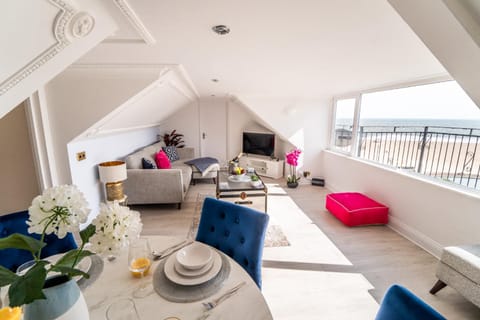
column 292, row 160
column 47, row 289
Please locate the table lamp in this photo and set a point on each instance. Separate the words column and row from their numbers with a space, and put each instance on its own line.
column 112, row 173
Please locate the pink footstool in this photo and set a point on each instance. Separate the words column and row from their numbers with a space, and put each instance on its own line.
column 356, row 209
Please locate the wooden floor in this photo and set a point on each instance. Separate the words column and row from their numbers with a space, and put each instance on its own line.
column 378, row 253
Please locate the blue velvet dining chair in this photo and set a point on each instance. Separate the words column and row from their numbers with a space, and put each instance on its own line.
column 17, row 223
column 401, row 304
column 236, row 230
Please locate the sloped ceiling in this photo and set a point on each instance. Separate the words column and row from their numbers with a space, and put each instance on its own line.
column 147, row 108
column 451, row 30
column 277, row 49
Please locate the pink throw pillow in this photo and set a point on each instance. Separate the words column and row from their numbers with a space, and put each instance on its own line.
column 162, row 160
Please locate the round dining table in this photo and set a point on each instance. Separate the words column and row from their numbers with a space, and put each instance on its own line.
column 115, row 282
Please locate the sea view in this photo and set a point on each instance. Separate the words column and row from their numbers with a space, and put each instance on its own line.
column 450, row 149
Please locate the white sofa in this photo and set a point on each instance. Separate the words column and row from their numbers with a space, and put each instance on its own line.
column 149, row 186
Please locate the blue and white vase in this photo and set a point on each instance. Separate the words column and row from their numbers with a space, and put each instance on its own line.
column 64, row 301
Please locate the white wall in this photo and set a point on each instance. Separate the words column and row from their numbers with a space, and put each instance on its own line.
column 303, row 123
column 431, row 215
column 186, row 122
column 78, row 98
column 101, row 149
column 239, row 119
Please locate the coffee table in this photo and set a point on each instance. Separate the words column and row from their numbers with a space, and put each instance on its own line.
column 227, row 187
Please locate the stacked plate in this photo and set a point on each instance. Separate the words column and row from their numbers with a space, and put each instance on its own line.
column 193, row 265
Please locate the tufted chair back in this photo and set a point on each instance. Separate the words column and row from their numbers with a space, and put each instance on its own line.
column 237, row 231
column 399, row 304
column 16, row 223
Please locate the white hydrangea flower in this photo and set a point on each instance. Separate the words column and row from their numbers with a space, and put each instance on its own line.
column 58, row 210
column 115, row 226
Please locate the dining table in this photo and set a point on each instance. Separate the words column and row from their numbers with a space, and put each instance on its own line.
column 168, row 300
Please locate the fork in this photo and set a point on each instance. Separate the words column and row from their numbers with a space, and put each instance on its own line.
column 212, row 304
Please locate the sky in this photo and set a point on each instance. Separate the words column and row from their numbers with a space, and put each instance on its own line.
column 444, row 100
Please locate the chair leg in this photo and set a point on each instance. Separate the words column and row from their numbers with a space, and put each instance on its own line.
column 438, row 286
column 214, row 181
column 179, row 205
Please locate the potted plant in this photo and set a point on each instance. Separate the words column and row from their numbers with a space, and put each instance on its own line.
column 292, row 160
column 173, row 139
column 60, row 210
column 255, row 181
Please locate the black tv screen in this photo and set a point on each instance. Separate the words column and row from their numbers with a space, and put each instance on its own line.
column 259, row 143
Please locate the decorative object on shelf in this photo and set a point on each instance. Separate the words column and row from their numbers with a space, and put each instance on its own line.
column 59, row 211
column 255, row 181
column 173, row 139
column 292, row 159
column 112, row 173
column 306, row 174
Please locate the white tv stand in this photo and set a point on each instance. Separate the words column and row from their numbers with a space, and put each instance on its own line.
column 263, row 166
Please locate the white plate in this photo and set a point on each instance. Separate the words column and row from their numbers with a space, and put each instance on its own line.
column 172, row 275
column 84, row 265
column 192, row 273
column 194, row 256
column 244, row 178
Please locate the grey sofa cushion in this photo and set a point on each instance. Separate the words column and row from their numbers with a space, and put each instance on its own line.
column 134, row 160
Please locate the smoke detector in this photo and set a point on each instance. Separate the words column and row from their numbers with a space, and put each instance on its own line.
column 221, row 29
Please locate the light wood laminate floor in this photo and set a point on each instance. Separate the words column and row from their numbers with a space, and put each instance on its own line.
column 376, row 254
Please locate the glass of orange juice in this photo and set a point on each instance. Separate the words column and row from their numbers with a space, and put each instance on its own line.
column 8, row 313
column 139, row 262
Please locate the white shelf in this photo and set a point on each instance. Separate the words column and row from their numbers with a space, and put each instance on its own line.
column 263, row 167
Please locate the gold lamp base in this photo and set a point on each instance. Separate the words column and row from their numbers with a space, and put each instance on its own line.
column 114, row 191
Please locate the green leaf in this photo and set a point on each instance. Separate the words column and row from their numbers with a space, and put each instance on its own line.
column 22, row 242
column 28, row 287
column 86, row 233
column 6, row 276
column 69, row 258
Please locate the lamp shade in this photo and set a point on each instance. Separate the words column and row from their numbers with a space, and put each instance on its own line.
column 112, row 171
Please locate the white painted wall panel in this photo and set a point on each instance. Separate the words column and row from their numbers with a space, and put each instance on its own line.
column 431, row 215
column 100, row 149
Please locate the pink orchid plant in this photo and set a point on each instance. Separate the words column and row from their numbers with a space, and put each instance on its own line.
column 292, row 159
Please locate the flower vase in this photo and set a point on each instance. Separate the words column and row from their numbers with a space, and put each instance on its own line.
column 292, row 184
column 64, row 301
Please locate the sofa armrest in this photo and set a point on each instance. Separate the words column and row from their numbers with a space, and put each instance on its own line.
column 186, row 153
column 154, row 186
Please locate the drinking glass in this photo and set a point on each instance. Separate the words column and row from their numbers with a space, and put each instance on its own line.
column 122, row 309
column 139, row 262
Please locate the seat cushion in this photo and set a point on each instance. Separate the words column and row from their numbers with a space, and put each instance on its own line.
column 464, row 259
column 355, row 209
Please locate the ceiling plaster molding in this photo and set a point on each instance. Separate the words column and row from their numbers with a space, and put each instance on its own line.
column 60, row 27
column 135, row 21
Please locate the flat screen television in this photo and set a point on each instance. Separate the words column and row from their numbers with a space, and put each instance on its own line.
column 258, row 143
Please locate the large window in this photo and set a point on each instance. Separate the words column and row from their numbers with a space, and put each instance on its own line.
column 344, row 123
column 431, row 129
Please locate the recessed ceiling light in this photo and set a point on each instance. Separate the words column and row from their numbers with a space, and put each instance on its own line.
column 221, row 29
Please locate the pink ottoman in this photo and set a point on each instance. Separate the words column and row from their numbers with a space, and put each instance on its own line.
column 355, row 209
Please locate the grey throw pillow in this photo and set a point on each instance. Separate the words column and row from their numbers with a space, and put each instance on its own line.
column 171, row 152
